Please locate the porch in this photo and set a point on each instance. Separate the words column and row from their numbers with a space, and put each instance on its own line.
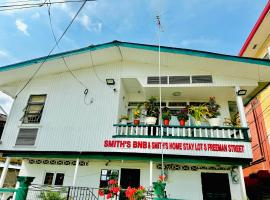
column 178, row 132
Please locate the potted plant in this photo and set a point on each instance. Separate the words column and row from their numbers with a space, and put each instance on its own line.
column 213, row 112
column 199, row 113
column 159, row 187
column 152, row 111
column 166, row 116
column 136, row 194
column 234, row 121
column 124, row 119
column 111, row 191
column 182, row 116
column 136, row 115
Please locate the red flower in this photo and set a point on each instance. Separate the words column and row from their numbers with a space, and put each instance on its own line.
column 109, row 195
column 162, row 178
column 115, row 190
column 112, row 182
column 141, row 188
column 130, row 192
column 101, row 193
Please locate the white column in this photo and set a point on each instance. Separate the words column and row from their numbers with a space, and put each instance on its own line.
column 242, row 183
column 151, row 173
column 76, row 172
column 241, row 108
column 4, row 172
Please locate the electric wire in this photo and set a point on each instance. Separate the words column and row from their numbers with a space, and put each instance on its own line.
column 63, row 58
column 45, row 59
column 86, row 90
column 35, row 5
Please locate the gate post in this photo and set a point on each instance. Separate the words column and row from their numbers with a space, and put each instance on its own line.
column 24, row 182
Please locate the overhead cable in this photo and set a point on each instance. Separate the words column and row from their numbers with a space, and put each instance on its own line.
column 57, row 42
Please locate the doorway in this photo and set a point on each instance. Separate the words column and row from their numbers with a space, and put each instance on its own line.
column 215, row 186
column 129, row 177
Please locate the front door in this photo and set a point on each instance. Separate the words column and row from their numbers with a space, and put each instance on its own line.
column 215, row 186
column 129, row 177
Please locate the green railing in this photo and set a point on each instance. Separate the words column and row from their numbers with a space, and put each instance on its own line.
column 194, row 132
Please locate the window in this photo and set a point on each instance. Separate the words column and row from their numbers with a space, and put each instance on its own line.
column 27, row 136
column 33, row 110
column 54, row 178
column 202, row 79
column 106, row 175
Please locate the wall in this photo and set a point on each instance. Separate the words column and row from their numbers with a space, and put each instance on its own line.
column 69, row 123
column 180, row 184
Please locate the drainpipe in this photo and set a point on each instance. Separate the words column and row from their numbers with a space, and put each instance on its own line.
column 76, row 172
column 4, row 172
column 243, row 121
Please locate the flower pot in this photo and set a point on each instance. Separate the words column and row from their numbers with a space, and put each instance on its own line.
column 214, row 121
column 123, row 121
column 166, row 122
column 159, row 189
column 136, row 122
column 182, row 122
column 150, row 120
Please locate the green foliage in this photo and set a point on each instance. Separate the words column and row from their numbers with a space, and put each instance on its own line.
column 234, row 121
column 124, row 117
column 183, row 114
column 166, row 113
column 51, row 195
column 199, row 112
column 151, row 107
column 137, row 112
column 213, row 108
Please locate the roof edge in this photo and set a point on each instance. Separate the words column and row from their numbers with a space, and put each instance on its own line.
column 165, row 49
column 255, row 28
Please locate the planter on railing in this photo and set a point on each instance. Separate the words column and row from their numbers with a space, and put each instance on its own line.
column 204, row 132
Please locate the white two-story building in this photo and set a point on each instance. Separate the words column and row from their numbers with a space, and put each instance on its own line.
column 67, row 135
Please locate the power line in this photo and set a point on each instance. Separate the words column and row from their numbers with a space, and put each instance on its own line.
column 86, row 90
column 63, row 58
column 45, row 59
column 35, row 5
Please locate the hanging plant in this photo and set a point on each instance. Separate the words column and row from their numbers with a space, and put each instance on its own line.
column 159, row 187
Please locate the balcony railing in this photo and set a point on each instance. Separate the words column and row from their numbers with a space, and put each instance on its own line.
column 200, row 132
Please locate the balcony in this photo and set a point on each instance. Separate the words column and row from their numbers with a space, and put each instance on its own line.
column 178, row 132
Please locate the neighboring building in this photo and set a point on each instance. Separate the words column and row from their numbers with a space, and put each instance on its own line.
column 66, row 137
column 257, row 45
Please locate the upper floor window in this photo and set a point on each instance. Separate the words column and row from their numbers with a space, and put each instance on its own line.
column 33, row 110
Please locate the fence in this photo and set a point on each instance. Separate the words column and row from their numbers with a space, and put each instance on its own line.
column 41, row 192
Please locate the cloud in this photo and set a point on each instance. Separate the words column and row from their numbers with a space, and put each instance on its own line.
column 89, row 25
column 36, row 15
column 21, row 26
column 199, row 41
column 3, row 54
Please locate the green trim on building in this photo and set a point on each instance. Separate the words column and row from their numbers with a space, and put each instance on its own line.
column 164, row 49
column 132, row 157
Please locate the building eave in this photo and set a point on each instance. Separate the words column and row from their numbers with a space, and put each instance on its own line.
column 255, row 29
column 164, row 49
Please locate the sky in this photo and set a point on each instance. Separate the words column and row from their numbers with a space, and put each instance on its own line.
column 220, row 26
